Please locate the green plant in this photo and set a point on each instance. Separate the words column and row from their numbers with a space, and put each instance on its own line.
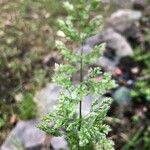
column 142, row 84
column 27, row 107
column 134, row 140
column 141, row 93
column 2, row 122
column 140, row 139
column 146, row 139
column 82, row 132
column 141, row 89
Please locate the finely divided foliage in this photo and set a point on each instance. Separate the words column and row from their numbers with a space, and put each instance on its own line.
column 89, row 131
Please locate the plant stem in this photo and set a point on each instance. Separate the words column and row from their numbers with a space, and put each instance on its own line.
column 80, row 104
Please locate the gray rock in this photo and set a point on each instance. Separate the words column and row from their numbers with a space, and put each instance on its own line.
column 122, row 96
column 139, row 4
column 105, row 1
column 59, row 143
column 24, row 136
column 136, row 4
column 114, row 41
column 118, row 3
column 125, row 22
column 108, row 64
column 47, row 98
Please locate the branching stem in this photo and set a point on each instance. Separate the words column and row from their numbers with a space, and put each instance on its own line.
column 80, row 104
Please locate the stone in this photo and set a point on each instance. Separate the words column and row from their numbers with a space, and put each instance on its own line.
column 118, row 3
column 122, row 96
column 125, row 22
column 139, row 4
column 114, row 42
column 130, row 82
column 47, row 98
column 24, row 136
column 106, row 63
column 59, row 143
column 51, row 59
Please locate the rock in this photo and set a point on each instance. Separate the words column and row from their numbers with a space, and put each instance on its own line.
column 125, row 22
column 130, row 82
column 118, row 3
column 114, row 42
column 24, row 136
column 51, row 59
column 122, row 96
column 105, row 1
column 47, row 98
column 107, row 64
column 129, row 4
column 59, row 143
column 139, row 4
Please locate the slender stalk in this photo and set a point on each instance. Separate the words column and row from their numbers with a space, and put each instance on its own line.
column 80, row 104
column 81, row 79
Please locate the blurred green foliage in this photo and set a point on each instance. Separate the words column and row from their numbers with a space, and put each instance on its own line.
column 140, row 137
column 141, row 93
column 27, row 107
column 2, row 123
column 146, row 139
column 143, row 82
column 27, row 33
